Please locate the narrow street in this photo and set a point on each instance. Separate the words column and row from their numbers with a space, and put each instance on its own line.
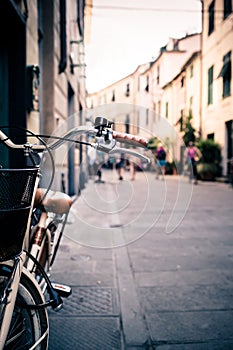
column 139, row 282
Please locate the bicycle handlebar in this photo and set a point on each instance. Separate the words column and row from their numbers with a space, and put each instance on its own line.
column 130, row 139
column 105, row 137
column 53, row 145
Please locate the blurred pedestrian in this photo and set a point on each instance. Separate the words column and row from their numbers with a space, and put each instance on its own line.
column 98, row 173
column 63, row 183
column 133, row 166
column 193, row 156
column 91, row 157
column 161, row 156
column 100, row 160
column 120, row 164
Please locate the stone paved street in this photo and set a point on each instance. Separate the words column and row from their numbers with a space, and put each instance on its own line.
column 145, row 275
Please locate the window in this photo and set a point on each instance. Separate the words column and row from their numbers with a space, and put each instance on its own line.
column 226, row 75
column 210, row 136
column 159, row 108
column 229, row 143
column 191, row 71
column 191, row 106
column 154, row 112
column 147, row 84
column 166, row 112
column 182, row 82
column 113, row 96
column 127, row 92
column 138, row 122
column 139, row 83
column 211, row 17
column 181, row 120
column 227, row 8
column 154, row 107
column 210, row 85
column 127, row 123
column 147, row 116
column 63, row 62
column 158, row 74
column 80, row 17
column 176, row 45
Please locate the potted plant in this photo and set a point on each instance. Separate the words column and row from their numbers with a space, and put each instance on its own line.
column 209, row 165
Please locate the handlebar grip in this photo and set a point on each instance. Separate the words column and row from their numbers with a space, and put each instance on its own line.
column 130, row 139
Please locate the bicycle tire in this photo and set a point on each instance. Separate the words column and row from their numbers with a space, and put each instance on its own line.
column 27, row 325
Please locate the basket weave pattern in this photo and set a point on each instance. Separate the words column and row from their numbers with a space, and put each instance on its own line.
column 16, row 190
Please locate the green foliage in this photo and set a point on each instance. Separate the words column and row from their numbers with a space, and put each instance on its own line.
column 209, row 166
column 211, row 151
column 153, row 143
column 207, row 171
column 189, row 131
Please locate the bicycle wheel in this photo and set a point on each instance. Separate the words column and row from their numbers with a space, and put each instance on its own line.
column 27, row 325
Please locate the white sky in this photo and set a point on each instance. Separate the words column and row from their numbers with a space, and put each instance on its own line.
column 127, row 33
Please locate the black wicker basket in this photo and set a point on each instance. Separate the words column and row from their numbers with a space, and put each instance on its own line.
column 16, row 191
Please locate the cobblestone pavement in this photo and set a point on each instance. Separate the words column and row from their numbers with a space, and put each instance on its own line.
column 150, row 263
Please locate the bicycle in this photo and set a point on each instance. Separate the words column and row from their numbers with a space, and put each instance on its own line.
column 23, row 304
column 49, row 218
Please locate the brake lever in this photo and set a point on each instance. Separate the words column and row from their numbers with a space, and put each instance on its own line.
column 104, row 146
column 112, row 149
column 109, row 146
column 107, row 138
column 129, row 151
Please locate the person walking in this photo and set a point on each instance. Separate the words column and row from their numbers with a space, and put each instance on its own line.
column 63, row 183
column 193, row 155
column 91, row 157
column 120, row 167
column 161, row 156
column 231, row 171
column 134, row 164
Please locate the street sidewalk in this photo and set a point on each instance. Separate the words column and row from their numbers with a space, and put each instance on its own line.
column 145, row 275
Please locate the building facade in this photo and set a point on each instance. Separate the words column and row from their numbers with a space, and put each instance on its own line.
column 42, row 69
column 153, row 92
column 181, row 100
column 216, row 77
column 191, row 77
column 121, row 101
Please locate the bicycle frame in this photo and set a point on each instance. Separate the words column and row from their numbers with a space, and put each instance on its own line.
column 9, row 294
column 106, row 142
column 46, row 237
